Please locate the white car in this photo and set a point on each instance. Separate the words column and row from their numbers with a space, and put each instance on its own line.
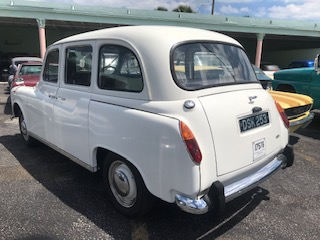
column 165, row 112
column 269, row 69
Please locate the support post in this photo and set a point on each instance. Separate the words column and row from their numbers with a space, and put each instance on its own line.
column 212, row 8
column 42, row 36
column 260, row 37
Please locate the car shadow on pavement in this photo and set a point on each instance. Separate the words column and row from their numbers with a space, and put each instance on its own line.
column 7, row 108
column 313, row 129
column 83, row 191
column 180, row 225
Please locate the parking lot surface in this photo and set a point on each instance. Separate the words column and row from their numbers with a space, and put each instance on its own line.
column 44, row 195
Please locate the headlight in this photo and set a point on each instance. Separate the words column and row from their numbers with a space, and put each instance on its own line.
column 18, row 80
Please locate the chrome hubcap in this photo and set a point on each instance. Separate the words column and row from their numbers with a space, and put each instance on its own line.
column 122, row 184
column 23, row 128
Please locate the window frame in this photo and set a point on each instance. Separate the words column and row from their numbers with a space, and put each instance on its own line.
column 120, row 63
column 45, row 66
column 74, row 47
column 176, row 79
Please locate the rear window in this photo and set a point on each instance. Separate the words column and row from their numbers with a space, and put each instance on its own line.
column 205, row 64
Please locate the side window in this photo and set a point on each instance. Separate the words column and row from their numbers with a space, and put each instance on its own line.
column 78, row 65
column 119, row 69
column 50, row 73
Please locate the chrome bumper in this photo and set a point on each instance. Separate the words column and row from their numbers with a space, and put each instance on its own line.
column 203, row 205
column 304, row 122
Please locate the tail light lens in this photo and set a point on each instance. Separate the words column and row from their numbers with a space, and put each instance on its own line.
column 283, row 115
column 191, row 143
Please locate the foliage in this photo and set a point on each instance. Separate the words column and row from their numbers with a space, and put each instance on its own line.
column 160, row 8
column 183, row 8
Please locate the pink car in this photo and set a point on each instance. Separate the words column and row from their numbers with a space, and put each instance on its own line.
column 28, row 74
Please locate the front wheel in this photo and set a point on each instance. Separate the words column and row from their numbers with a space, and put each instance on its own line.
column 125, row 187
column 29, row 141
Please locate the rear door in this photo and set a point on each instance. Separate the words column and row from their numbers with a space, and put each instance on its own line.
column 244, row 122
column 245, row 127
column 72, row 104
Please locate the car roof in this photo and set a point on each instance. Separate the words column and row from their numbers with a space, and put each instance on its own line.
column 154, row 34
column 153, row 45
column 33, row 63
column 17, row 59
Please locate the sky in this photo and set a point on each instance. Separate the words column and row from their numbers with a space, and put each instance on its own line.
column 307, row 10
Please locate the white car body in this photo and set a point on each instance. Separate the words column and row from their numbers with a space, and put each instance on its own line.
column 143, row 126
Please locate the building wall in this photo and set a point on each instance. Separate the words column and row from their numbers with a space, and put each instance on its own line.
column 25, row 40
column 19, row 40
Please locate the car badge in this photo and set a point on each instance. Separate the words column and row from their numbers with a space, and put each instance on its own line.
column 251, row 99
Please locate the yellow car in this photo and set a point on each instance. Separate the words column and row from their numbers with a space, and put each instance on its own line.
column 296, row 106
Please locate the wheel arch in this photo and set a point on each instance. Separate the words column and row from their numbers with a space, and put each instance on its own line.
column 286, row 88
column 16, row 110
column 101, row 156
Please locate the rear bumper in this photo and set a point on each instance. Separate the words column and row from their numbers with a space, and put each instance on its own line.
column 218, row 194
column 295, row 125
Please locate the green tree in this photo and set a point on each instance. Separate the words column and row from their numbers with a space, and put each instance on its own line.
column 161, row 9
column 183, row 8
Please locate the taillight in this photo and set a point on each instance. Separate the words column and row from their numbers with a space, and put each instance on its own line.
column 191, row 143
column 283, row 115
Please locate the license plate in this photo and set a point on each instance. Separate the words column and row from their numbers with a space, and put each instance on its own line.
column 259, row 148
column 253, row 121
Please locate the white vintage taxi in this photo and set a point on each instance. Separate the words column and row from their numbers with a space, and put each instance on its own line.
column 165, row 112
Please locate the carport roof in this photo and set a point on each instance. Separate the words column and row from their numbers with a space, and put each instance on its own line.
column 67, row 15
column 52, row 24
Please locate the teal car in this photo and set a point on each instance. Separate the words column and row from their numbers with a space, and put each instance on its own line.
column 300, row 80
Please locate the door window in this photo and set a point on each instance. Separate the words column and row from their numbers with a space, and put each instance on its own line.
column 119, row 69
column 50, row 73
column 78, row 65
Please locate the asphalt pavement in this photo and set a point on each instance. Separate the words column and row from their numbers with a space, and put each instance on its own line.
column 44, row 195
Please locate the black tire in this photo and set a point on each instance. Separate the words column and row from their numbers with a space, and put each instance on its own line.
column 125, row 187
column 28, row 140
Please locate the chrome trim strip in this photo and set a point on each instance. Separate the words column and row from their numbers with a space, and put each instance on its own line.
column 246, row 184
column 68, row 155
column 306, row 120
column 194, row 206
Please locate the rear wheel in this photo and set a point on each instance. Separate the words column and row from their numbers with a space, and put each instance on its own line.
column 29, row 141
column 125, row 187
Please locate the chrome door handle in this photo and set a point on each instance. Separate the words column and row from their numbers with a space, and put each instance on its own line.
column 61, row 98
column 52, row 96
